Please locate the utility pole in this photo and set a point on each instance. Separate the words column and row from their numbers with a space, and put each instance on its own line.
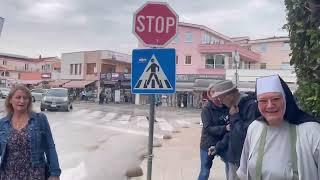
column 1, row 24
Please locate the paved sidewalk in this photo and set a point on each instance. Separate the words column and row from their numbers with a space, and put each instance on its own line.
column 178, row 158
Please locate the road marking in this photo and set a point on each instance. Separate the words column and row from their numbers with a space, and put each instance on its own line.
column 122, row 130
column 94, row 114
column 124, row 119
column 142, row 121
column 109, row 116
column 164, row 125
column 80, row 112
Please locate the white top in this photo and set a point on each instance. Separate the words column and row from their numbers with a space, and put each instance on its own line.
column 276, row 164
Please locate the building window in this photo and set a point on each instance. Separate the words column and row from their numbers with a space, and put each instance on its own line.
column 188, row 36
column 5, row 73
column 26, row 66
column 71, row 69
column 215, row 61
column 80, row 69
column 209, row 61
column 286, row 46
column 177, row 60
column 263, row 47
column 286, row 66
column 91, row 67
column 263, row 65
column 176, row 39
column 188, row 60
column 4, row 62
column 210, row 39
column 247, row 65
column 205, row 38
column 76, row 69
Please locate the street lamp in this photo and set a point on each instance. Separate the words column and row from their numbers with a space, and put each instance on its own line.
column 236, row 61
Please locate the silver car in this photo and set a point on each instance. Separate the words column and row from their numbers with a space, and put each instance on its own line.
column 38, row 94
column 56, row 99
column 4, row 92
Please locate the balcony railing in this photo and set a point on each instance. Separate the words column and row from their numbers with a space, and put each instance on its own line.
column 229, row 48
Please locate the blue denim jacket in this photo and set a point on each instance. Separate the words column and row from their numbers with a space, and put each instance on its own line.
column 42, row 145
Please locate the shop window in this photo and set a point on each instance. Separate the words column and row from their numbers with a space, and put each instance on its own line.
column 263, row 65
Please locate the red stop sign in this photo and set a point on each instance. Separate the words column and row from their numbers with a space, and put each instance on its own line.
column 155, row 24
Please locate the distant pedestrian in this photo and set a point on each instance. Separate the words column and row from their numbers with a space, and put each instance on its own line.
column 214, row 118
column 285, row 142
column 26, row 143
column 101, row 97
column 83, row 95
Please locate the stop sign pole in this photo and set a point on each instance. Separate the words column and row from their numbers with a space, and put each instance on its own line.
column 155, row 24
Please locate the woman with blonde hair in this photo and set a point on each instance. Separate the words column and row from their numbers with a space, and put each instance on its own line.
column 26, row 143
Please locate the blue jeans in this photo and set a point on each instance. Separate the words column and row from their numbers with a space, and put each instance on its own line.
column 206, row 164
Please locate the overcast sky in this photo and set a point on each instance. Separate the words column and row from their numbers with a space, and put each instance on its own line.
column 52, row 27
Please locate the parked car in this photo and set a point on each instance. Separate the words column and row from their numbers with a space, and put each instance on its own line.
column 56, row 99
column 38, row 94
column 4, row 92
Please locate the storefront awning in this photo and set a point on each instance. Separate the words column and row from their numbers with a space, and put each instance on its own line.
column 77, row 84
column 32, row 82
column 184, row 86
column 58, row 83
column 203, row 84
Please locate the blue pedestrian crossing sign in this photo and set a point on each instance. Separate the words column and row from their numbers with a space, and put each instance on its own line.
column 153, row 71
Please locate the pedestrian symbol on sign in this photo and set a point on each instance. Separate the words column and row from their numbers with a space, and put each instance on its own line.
column 153, row 77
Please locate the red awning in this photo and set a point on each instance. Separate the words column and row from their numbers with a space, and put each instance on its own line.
column 32, row 82
column 58, row 83
column 77, row 84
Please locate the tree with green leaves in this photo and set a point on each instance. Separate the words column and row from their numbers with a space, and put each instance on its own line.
column 303, row 17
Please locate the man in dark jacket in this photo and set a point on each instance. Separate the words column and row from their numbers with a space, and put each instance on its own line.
column 241, row 116
column 215, row 119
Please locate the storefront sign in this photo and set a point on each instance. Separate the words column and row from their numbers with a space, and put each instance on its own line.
column 46, row 75
column 115, row 76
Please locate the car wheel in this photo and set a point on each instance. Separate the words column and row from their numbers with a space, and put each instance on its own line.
column 42, row 109
column 33, row 99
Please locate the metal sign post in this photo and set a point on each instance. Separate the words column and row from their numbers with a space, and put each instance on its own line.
column 155, row 24
column 150, row 141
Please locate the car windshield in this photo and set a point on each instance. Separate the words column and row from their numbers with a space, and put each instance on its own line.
column 58, row 92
